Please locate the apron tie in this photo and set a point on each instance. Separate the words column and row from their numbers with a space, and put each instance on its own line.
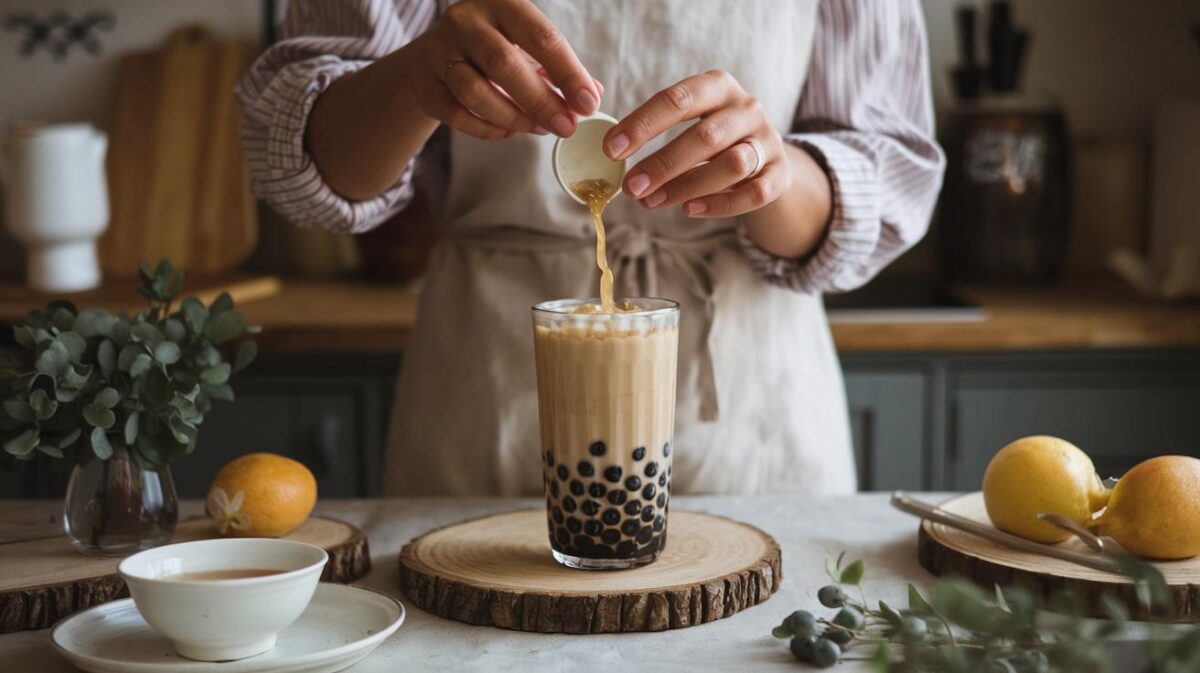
column 634, row 253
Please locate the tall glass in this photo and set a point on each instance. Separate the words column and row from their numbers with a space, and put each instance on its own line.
column 606, row 401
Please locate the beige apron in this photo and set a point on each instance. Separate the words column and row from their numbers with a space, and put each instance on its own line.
column 760, row 400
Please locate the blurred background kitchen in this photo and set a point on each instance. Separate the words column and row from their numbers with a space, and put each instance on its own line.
column 1057, row 292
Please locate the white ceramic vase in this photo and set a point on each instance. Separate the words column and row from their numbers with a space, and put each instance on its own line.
column 57, row 202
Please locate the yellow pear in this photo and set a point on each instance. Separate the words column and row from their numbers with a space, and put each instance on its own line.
column 1041, row 474
column 1154, row 510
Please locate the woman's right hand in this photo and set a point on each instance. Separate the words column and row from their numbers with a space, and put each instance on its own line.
column 488, row 68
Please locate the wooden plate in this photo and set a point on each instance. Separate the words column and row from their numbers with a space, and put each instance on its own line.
column 946, row 551
column 44, row 580
column 498, row 571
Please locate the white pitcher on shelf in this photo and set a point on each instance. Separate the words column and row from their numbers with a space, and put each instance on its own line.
column 57, row 201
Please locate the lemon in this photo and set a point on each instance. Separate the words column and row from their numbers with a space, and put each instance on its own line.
column 1154, row 510
column 1041, row 474
column 261, row 495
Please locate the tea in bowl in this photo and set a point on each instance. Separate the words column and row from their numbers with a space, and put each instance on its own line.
column 221, row 600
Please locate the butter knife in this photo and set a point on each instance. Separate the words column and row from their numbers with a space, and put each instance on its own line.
column 910, row 505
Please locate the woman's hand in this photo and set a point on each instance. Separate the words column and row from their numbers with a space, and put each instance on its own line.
column 489, row 68
column 730, row 162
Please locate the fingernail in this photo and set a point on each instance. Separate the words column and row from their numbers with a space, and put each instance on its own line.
column 562, row 125
column 616, row 145
column 656, row 199
column 638, row 184
column 695, row 208
column 587, row 102
column 541, row 131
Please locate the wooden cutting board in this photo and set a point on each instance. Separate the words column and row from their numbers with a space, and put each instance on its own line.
column 178, row 182
column 44, row 580
column 947, row 551
column 498, row 571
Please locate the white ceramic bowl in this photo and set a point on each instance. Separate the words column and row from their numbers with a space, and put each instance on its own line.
column 223, row 620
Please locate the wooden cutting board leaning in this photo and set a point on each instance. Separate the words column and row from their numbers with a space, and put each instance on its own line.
column 178, row 182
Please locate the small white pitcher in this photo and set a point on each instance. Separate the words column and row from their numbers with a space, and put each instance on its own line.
column 57, row 202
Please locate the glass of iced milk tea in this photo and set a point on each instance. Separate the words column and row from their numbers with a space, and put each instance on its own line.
column 606, row 401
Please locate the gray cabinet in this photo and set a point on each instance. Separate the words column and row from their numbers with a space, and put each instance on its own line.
column 890, row 425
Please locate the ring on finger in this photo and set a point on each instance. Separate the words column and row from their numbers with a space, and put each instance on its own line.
column 450, row 63
column 758, row 156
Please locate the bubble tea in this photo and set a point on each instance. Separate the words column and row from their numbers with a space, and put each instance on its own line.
column 606, row 401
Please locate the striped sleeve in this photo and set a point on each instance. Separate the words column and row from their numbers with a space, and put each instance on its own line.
column 866, row 116
column 322, row 40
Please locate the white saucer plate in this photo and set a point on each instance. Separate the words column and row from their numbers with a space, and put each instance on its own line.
column 339, row 628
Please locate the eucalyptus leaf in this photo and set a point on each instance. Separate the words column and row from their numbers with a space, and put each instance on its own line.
column 246, row 353
column 214, row 375
column 120, row 330
column 67, row 395
column 99, row 416
column 76, row 377
column 223, row 303
column 76, row 345
column 61, row 316
column 23, row 444
column 127, row 355
column 167, row 352
column 141, row 364
column 54, row 359
column 917, row 603
column 93, row 322
column 853, row 573
column 70, row 439
column 223, row 327
column 19, row 410
column 107, row 398
column 195, row 314
column 23, row 334
column 50, row 450
column 219, row 391
column 208, row 357
column 174, row 330
column 100, row 444
column 145, row 333
column 106, row 357
column 831, row 568
column 131, row 428
column 43, row 406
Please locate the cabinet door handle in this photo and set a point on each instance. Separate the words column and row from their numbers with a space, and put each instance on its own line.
column 325, row 443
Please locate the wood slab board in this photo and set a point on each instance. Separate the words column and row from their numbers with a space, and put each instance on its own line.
column 947, row 551
column 497, row 571
column 44, row 580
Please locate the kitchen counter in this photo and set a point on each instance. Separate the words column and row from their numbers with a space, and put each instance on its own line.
column 807, row 529
column 348, row 317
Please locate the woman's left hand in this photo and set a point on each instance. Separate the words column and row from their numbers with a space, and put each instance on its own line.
column 732, row 161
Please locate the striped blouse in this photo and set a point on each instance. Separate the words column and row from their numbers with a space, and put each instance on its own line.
column 866, row 115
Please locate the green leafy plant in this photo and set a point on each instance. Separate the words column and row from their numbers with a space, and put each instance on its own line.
column 81, row 381
column 960, row 628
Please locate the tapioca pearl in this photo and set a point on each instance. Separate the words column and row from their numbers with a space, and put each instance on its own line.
column 662, row 499
column 633, row 483
column 666, row 449
column 639, row 453
column 562, row 536
column 610, row 536
column 562, row 472
column 602, row 551
column 550, row 458
column 616, row 497
column 611, row 516
column 649, row 491
column 569, row 504
column 597, row 449
column 648, row 513
column 613, row 473
column 633, row 507
column 626, row 549
column 590, row 507
column 586, row 469
column 593, row 527
column 659, row 523
column 583, row 543
column 576, row 487
column 651, row 469
column 644, row 535
column 554, row 490
column 574, row 525
column 557, row 515
column 662, row 480
column 597, row 489
column 631, row 527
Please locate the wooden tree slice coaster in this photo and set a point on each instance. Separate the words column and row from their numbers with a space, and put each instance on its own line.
column 44, row 580
column 946, row 551
column 498, row 571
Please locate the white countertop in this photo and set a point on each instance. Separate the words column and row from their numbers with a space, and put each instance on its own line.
column 807, row 529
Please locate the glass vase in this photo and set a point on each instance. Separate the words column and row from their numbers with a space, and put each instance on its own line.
column 116, row 507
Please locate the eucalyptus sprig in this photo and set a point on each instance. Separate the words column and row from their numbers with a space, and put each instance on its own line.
column 81, row 381
column 960, row 628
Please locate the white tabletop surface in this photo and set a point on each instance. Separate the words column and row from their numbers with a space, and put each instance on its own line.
column 807, row 528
